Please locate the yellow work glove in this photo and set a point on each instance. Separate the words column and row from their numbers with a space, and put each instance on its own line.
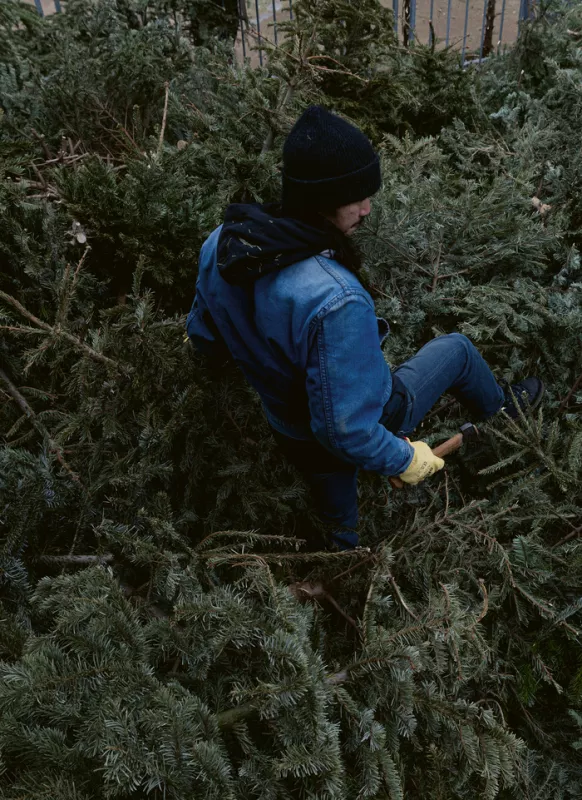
column 424, row 463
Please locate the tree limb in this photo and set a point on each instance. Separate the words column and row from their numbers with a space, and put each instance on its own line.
column 58, row 331
column 106, row 558
column 39, row 427
column 165, row 114
column 563, row 405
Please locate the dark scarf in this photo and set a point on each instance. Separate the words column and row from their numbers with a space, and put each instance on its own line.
column 258, row 239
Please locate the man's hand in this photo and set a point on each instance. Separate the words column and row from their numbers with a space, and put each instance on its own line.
column 424, row 464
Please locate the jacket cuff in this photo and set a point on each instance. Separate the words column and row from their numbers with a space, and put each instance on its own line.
column 407, row 456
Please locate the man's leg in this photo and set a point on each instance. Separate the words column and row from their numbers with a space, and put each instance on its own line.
column 333, row 484
column 448, row 364
column 336, row 499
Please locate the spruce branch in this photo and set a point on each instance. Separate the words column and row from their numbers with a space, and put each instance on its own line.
column 575, row 386
column 571, row 535
column 451, row 636
column 69, row 287
column 39, row 427
column 232, row 716
column 57, row 331
column 286, row 98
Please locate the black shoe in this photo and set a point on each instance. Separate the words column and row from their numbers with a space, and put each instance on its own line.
column 527, row 393
column 343, row 539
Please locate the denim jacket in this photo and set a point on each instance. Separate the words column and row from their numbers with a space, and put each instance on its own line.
column 307, row 339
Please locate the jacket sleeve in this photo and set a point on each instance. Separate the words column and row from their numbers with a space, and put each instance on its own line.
column 346, row 376
column 203, row 332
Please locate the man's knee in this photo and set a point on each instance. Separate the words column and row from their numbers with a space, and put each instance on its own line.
column 458, row 340
column 459, row 343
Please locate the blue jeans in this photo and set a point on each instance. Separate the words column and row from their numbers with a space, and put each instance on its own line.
column 447, row 364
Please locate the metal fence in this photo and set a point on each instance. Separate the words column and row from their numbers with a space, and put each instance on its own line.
column 475, row 27
column 47, row 8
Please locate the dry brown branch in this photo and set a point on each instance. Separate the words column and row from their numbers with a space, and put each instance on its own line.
column 571, row 535
column 106, row 558
column 42, row 142
column 63, row 160
column 304, row 590
column 164, row 117
column 564, row 404
column 436, row 266
column 490, row 23
column 485, row 601
column 400, row 597
column 355, row 567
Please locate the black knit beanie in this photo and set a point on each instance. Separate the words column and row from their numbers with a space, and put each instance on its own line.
column 327, row 163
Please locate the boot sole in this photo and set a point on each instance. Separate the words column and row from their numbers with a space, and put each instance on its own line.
column 535, row 403
column 538, row 398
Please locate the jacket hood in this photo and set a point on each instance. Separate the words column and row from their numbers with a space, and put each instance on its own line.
column 258, row 239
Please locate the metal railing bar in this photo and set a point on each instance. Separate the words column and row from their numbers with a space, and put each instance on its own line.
column 482, row 31
column 243, row 36
column 412, row 20
column 259, row 32
column 275, row 21
column 431, row 26
column 501, row 25
column 523, row 13
column 465, row 31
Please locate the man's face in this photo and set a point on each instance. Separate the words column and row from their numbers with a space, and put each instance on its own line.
column 349, row 218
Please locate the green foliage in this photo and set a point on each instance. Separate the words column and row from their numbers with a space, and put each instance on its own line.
column 165, row 630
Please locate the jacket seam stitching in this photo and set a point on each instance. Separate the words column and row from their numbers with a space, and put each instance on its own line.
column 331, row 271
column 327, row 401
column 336, row 301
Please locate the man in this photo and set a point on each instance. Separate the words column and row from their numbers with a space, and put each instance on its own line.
column 278, row 286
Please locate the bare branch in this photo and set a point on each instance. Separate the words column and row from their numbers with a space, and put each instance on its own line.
column 106, row 558
column 165, row 114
